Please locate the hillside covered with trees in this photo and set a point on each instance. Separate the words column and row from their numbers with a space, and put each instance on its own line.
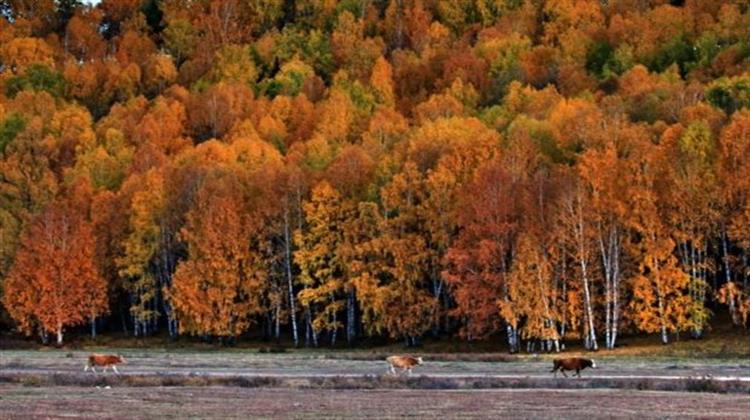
column 325, row 171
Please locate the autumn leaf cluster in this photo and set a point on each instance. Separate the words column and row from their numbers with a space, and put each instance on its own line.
column 536, row 170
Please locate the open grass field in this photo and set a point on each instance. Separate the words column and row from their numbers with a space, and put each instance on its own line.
column 690, row 379
column 247, row 363
column 234, row 402
column 60, row 366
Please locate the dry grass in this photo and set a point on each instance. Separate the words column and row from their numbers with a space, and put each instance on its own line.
column 433, row 357
column 236, row 402
column 377, row 382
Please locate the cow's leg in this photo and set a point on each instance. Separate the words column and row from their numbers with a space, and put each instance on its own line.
column 578, row 373
column 105, row 368
column 408, row 372
column 392, row 369
column 115, row 368
column 563, row 372
column 86, row 368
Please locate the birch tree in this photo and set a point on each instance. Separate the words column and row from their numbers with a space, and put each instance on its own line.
column 55, row 282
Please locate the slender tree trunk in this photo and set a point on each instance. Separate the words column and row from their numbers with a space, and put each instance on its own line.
column 608, row 313
column 93, row 327
column 725, row 249
column 576, row 213
column 512, row 343
column 168, row 266
column 350, row 318
column 556, row 298
column 132, row 316
column 589, row 311
column 606, row 269
column 510, row 330
column 591, row 336
column 169, row 315
column 290, row 283
column 437, row 290
column 155, row 318
column 268, row 325
column 311, row 335
column 610, row 253
column 124, row 320
column 334, row 318
column 616, row 293
column 308, row 335
column 698, row 291
column 59, row 335
column 664, row 335
column 660, row 303
column 693, row 276
column 277, row 322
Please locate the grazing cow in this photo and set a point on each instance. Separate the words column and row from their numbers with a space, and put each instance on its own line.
column 572, row 363
column 105, row 360
column 405, row 363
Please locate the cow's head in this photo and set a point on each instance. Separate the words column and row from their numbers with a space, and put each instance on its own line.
column 121, row 358
column 419, row 360
column 593, row 363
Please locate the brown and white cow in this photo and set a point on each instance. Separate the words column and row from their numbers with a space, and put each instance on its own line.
column 405, row 363
column 572, row 363
column 105, row 360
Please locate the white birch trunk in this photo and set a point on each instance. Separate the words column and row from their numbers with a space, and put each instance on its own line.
column 616, row 293
column 290, row 283
column 581, row 238
column 660, row 303
column 606, row 269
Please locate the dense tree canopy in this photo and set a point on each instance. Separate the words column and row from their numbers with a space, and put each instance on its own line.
column 538, row 170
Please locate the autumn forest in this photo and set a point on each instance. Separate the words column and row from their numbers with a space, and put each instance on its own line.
column 324, row 172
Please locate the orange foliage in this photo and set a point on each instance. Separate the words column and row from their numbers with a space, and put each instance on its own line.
column 55, row 282
column 218, row 290
column 552, row 170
